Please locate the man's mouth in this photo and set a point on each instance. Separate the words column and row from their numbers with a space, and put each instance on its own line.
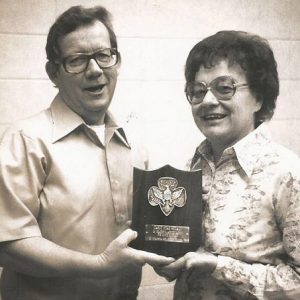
column 210, row 117
column 95, row 88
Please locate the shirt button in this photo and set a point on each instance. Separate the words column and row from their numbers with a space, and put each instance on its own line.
column 120, row 217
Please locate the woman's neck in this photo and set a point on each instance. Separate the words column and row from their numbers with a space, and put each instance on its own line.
column 217, row 153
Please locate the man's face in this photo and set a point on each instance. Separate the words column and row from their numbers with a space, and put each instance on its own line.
column 88, row 93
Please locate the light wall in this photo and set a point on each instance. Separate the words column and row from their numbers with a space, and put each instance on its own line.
column 154, row 37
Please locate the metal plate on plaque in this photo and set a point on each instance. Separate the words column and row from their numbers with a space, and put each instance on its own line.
column 167, row 210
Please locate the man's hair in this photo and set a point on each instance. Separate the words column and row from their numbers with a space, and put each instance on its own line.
column 252, row 53
column 70, row 20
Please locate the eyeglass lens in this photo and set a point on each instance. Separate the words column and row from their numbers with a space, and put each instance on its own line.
column 223, row 88
column 78, row 63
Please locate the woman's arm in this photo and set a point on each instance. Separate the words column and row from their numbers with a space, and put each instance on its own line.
column 262, row 281
column 280, row 281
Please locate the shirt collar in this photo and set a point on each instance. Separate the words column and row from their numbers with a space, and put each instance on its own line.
column 65, row 121
column 112, row 128
column 247, row 150
column 203, row 150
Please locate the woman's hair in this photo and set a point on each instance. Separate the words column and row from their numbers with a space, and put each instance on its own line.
column 70, row 20
column 252, row 53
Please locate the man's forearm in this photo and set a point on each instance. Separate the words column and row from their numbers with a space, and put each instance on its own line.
column 40, row 257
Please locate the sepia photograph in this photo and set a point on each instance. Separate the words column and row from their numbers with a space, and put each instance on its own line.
column 149, row 149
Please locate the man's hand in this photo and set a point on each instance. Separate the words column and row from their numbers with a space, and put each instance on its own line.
column 200, row 261
column 119, row 255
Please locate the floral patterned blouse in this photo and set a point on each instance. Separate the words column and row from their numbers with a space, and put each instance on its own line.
column 251, row 222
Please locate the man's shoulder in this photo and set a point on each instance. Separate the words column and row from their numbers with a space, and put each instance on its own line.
column 36, row 126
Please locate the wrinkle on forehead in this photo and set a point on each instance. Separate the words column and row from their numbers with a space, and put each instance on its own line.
column 85, row 39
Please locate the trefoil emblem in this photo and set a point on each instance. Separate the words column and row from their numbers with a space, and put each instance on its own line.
column 167, row 195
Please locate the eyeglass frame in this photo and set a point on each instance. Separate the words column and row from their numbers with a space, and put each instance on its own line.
column 209, row 88
column 63, row 60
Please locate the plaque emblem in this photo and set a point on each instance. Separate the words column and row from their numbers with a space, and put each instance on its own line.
column 167, row 195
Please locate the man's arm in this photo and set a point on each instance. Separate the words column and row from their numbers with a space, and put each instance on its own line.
column 40, row 257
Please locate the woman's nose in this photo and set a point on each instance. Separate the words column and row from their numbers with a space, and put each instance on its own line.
column 210, row 98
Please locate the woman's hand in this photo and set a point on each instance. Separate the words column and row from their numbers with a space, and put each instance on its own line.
column 203, row 261
column 200, row 261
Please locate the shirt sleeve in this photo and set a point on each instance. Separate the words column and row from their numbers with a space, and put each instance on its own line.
column 22, row 174
column 281, row 281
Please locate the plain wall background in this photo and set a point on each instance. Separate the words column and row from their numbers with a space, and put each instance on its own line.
column 154, row 38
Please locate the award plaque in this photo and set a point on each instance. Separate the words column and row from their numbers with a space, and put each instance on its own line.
column 167, row 210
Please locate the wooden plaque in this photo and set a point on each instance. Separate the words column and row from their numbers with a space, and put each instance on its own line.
column 167, row 210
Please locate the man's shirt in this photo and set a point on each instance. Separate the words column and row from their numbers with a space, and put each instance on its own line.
column 251, row 221
column 57, row 180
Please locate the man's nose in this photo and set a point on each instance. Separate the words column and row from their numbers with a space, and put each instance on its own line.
column 93, row 68
column 210, row 98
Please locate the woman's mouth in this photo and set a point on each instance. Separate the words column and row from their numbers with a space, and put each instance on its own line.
column 212, row 117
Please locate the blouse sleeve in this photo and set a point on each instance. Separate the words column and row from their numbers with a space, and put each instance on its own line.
column 280, row 281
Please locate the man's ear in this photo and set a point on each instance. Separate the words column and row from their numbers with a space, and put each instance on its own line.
column 118, row 70
column 52, row 70
column 118, row 66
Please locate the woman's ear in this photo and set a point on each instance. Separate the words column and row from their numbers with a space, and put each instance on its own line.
column 259, row 104
column 52, row 70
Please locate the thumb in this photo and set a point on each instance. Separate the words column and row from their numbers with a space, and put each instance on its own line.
column 205, row 189
column 127, row 236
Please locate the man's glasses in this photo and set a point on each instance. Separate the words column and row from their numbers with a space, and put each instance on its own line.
column 223, row 88
column 78, row 63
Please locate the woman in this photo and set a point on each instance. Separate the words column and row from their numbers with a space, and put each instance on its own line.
column 251, row 185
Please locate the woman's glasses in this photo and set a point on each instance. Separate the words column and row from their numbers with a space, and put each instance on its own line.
column 223, row 88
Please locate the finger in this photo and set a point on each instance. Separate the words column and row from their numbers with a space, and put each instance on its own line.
column 200, row 250
column 193, row 259
column 159, row 270
column 171, row 271
column 205, row 261
column 126, row 237
column 205, row 189
column 154, row 259
column 193, row 263
column 177, row 264
column 170, row 276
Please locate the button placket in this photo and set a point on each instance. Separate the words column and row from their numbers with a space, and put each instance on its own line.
column 120, row 177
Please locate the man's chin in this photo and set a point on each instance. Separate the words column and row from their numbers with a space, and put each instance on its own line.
column 97, row 104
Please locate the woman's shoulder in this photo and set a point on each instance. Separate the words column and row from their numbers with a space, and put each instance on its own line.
column 287, row 160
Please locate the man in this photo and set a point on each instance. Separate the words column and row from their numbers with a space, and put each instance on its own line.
column 66, row 178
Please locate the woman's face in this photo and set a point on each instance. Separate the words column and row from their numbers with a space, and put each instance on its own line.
column 225, row 122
